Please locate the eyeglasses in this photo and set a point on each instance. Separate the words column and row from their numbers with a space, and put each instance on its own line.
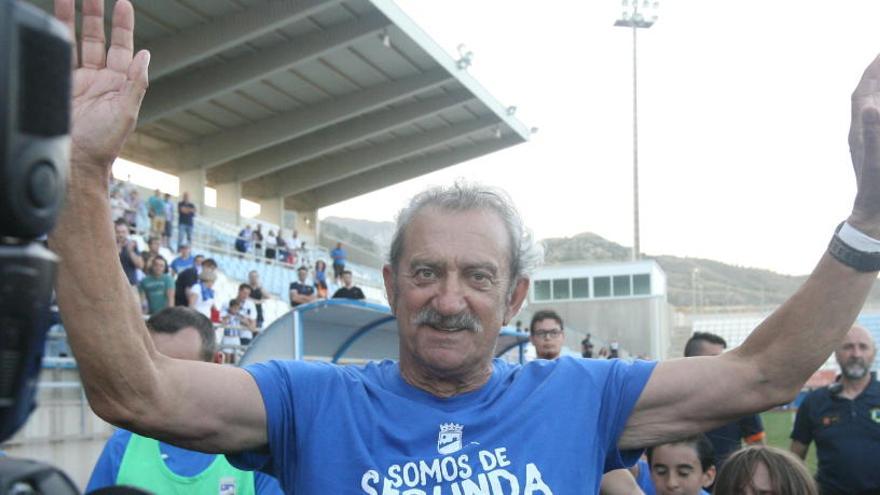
column 547, row 334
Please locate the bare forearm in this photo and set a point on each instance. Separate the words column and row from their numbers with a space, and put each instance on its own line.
column 809, row 326
column 100, row 313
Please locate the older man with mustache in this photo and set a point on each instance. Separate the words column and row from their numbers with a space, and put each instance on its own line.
column 447, row 418
column 844, row 421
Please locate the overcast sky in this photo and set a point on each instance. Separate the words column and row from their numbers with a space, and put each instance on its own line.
column 743, row 116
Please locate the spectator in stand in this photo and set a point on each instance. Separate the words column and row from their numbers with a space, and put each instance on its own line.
column 186, row 213
column 258, row 295
column 156, row 209
column 232, row 328
column 243, row 241
column 685, row 467
column 761, row 470
column 157, row 287
column 300, row 291
column 169, row 221
column 587, row 347
column 728, row 438
column 189, row 278
column 257, row 237
column 247, row 313
column 348, row 290
column 133, row 460
column 118, row 205
column 153, row 246
column 844, row 421
column 136, row 216
column 321, row 279
column 128, row 255
column 184, row 260
column 547, row 334
column 271, row 246
column 338, row 255
column 201, row 295
column 303, row 254
column 283, row 252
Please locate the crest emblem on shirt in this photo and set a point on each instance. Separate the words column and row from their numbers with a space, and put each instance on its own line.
column 227, row 486
column 449, row 439
column 875, row 414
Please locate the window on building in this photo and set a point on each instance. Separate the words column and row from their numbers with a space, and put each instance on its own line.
column 601, row 286
column 642, row 284
column 580, row 288
column 561, row 289
column 622, row 285
column 542, row 290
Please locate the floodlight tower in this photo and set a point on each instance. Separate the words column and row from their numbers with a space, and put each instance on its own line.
column 636, row 15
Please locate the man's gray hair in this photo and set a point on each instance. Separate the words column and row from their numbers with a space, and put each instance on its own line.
column 525, row 255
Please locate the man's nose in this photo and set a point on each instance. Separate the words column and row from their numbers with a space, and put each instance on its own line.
column 450, row 299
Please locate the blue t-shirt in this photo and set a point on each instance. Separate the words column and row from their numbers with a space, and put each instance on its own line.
column 180, row 264
column 182, row 462
column 157, row 206
column 548, row 425
column 338, row 255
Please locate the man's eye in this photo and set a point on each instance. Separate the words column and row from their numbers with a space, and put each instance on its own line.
column 424, row 274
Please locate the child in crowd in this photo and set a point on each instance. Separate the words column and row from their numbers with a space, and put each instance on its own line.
column 231, row 331
column 759, row 470
column 684, row 467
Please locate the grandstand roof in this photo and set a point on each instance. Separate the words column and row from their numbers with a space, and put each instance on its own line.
column 315, row 101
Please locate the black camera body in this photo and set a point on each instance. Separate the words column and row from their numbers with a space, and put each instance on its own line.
column 35, row 86
column 35, row 92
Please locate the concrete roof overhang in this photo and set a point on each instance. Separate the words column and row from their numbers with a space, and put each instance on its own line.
column 313, row 101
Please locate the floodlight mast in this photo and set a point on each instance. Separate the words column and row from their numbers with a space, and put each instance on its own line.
column 634, row 17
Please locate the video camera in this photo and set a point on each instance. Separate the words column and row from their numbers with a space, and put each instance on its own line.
column 35, row 88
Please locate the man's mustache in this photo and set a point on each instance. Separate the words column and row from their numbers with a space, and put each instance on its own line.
column 459, row 321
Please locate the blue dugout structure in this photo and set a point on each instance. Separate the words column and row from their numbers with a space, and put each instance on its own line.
column 344, row 329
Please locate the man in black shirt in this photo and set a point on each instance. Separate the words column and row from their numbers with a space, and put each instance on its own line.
column 189, row 277
column 186, row 212
column 300, row 291
column 129, row 257
column 349, row 291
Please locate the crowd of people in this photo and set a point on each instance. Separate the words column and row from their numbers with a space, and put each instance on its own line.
column 153, row 217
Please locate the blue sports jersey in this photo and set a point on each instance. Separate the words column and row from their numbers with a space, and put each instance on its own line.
column 546, row 427
column 182, row 462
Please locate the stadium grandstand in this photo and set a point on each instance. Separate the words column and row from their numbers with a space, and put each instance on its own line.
column 293, row 105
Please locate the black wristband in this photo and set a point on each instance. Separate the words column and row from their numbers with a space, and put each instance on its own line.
column 851, row 257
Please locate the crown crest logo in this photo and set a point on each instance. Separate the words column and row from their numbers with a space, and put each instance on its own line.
column 449, row 438
column 451, row 427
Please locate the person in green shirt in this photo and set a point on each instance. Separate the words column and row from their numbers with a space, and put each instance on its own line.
column 157, row 288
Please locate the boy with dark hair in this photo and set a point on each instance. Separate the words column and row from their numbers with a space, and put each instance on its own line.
column 684, row 467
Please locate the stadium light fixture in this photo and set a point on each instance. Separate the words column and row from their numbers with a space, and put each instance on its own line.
column 637, row 15
column 466, row 57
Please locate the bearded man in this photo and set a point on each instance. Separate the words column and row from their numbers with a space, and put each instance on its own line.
column 844, row 421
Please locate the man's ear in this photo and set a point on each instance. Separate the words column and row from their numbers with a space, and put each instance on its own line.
column 388, row 279
column 517, row 298
column 218, row 358
column 709, row 477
